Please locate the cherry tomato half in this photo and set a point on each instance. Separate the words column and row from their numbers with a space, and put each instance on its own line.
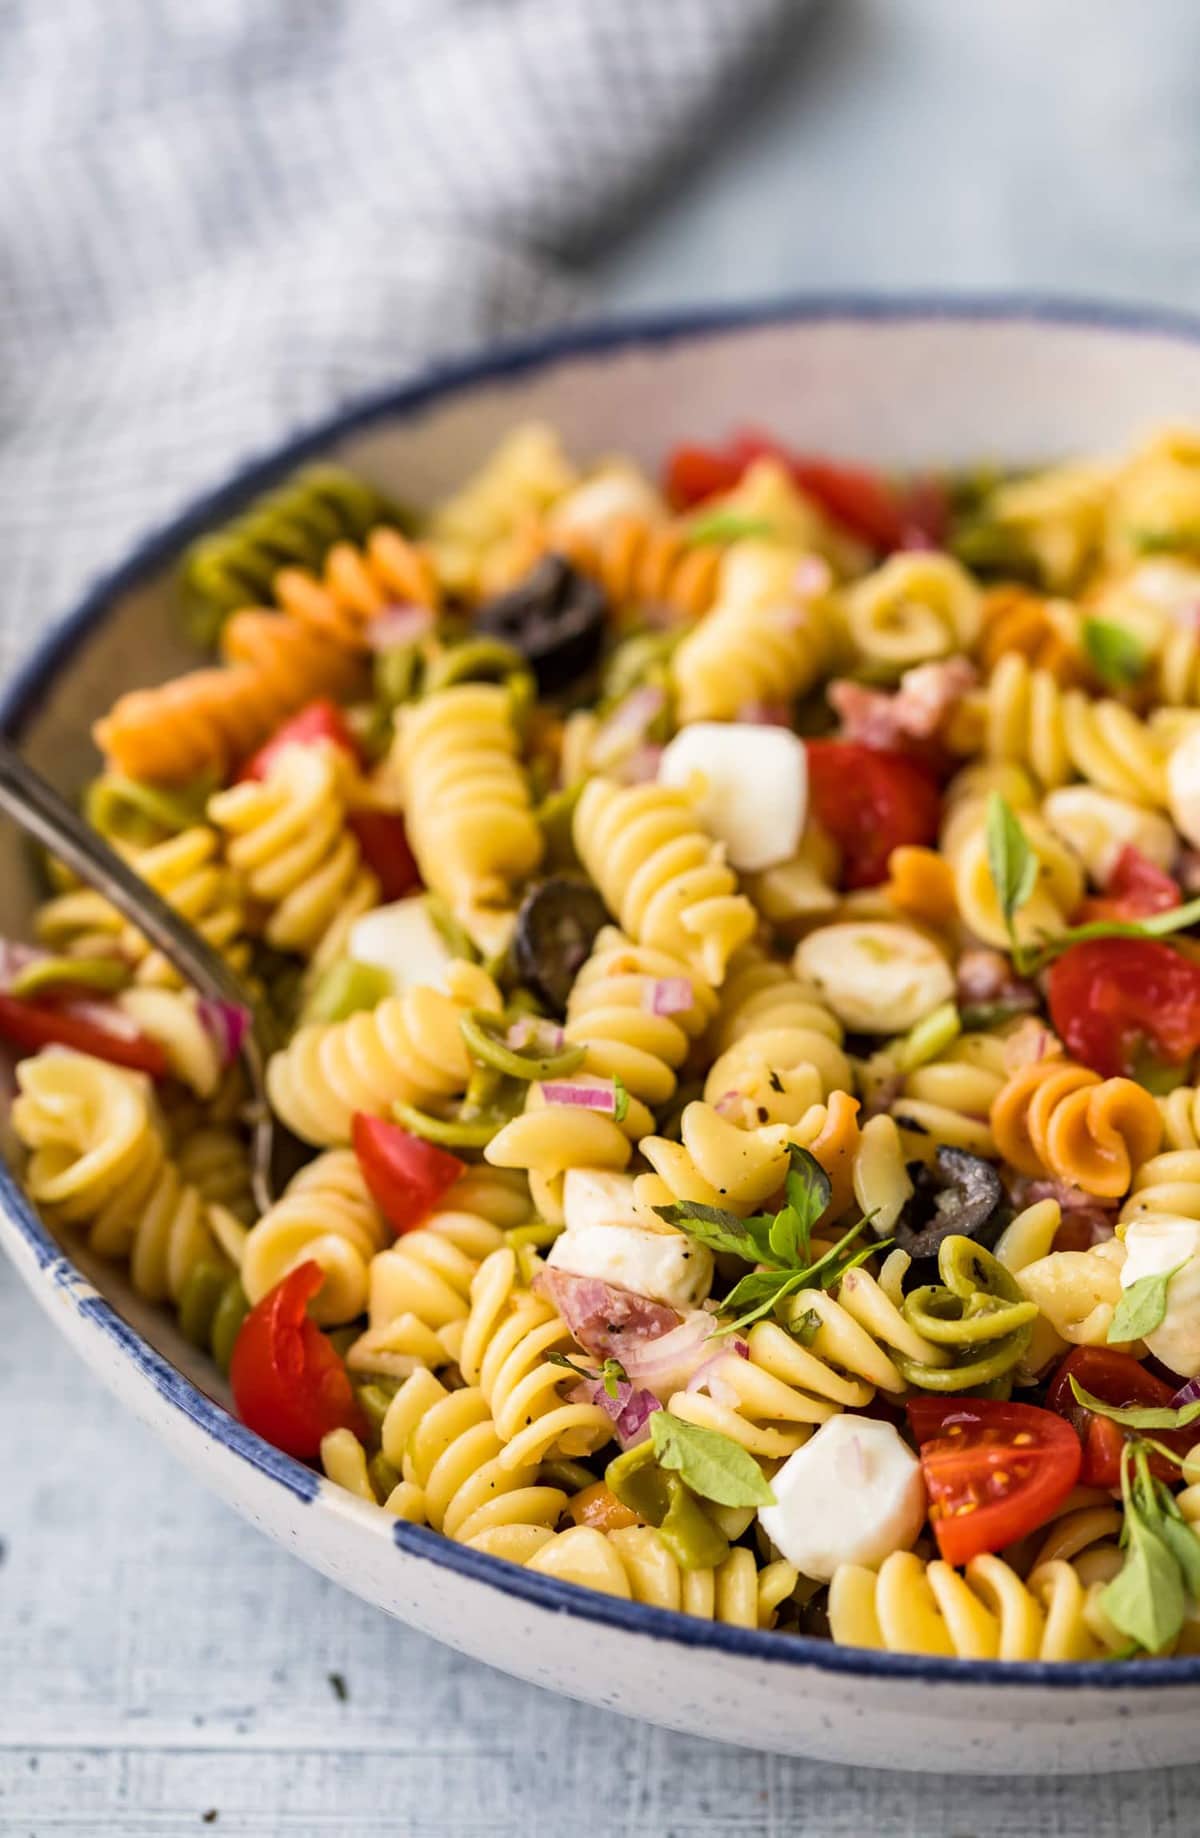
column 82, row 1026
column 1135, row 889
column 288, row 1383
column 406, row 1176
column 383, row 840
column 1114, row 1378
column 693, row 474
column 871, row 800
column 1114, row 1000
column 319, row 721
column 994, row 1471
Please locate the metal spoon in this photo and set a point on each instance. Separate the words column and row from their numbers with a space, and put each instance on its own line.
column 42, row 813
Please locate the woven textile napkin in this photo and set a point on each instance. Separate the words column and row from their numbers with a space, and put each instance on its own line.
column 220, row 218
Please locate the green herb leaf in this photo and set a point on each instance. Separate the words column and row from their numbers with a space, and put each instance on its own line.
column 1011, row 861
column 1146, row 1598
column 1141, row 1308
column 1175, row 1531
column 727, row 526
column 1158, row 925
column 758, row 1294
column 1137, row 1416
column 712, row 1465
column 1118, row 656
column 748, row 1239
column 612, row 1375
column 621, row 1100
column 809, row 1192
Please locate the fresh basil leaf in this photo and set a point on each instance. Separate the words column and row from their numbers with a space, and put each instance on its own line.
column 1137, row 1416
column 809, row 1192
column 758, row 1294
column 1011, row 861
column 1175, row 1532
column 832, row 1260
column 620, row 1101
column 748, row 1239
column 569, row 1365
column 612, row 1376
column 1158, row 925
column 1142, row 1307
column 714, row 1466
column 788, row 1238
column 1146, row 1598
column 727, row 526
column 829, row 1277
column 1118, row 656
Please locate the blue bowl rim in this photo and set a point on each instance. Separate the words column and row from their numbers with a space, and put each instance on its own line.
column 20, row 697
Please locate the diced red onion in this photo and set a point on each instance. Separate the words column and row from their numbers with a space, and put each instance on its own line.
column 813, row 576
column 765, row 715
column 667, row 1362
column 708, row 1376
column 398, row 625
column 533, row 1031
column 227, row 1023
column 15, row 957
column 729, row 1104
column 668, row 995
column 631, row 1409
column 1187, row 1394
column 627, row 725
column 105, row 1015
column 602, row 1095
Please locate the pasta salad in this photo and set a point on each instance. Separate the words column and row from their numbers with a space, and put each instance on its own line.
column 733, row 943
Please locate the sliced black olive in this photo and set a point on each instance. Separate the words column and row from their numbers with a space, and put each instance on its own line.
column 960, row 1193
column 555, row 930
column 555, row 618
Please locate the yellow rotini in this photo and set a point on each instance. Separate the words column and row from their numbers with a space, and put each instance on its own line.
column 408, row 1050
column 1059, row 885
column 913, row 609
column 777, row 1048
column 518, row 482
column 661, row 876
column 466, row 797
column 325, row 1213
column 760, row 641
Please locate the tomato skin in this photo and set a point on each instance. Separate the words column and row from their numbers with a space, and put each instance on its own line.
column 871, row 800
column 405, row 1175
column 1112, row 998
column 321, row 720
column 1114, row 1378
column 36, row 1024
column 1135, row 890
column 288, row 1383
column 865, row 502
column 994, row 1471
column 383, row 839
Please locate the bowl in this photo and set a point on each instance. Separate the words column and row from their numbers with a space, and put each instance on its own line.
column 904, row 382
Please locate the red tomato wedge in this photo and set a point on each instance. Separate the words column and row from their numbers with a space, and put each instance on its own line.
column 383, row 840
column 865, row 502
column 1114, row 1378
column 81, row 1025
column 405, row 1175
column 1113, row 1001
column 288, row 1383
column 994, row 1471
column 871, row 800
column 319, row 721
column 1135, row 889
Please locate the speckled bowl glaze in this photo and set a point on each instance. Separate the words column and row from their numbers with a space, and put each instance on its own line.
column 903, row 382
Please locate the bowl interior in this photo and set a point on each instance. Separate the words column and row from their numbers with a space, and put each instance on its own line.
column 899, row 385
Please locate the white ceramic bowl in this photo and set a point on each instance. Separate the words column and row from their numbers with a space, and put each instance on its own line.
column 900, row 382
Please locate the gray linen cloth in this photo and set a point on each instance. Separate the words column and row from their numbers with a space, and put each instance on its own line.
column 220, row 218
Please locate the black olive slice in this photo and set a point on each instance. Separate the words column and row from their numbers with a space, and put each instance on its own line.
column 555, row 618
column 556, row 927
column 960, row 1193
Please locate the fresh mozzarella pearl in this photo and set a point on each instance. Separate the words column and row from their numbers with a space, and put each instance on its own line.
column 1183, row 786
column 595, row 506
column 1156, row 1244
column 403, row 940
column 877, row 977
column 665, row 1266
column 852, row 1495
column 1097, row 826
column 597, row 1196
column 753, row 787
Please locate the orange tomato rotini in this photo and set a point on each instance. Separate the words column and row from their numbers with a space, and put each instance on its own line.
column 1057, row 1118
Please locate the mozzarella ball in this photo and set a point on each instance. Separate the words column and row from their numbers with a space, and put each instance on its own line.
column 877, row 977
column 1156, row 1244
column 403, row 940
column 665, row 1266
column 753, row 787
column 852, row 1495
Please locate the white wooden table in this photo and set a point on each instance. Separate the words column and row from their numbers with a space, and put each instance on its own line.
column 160, row 1663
